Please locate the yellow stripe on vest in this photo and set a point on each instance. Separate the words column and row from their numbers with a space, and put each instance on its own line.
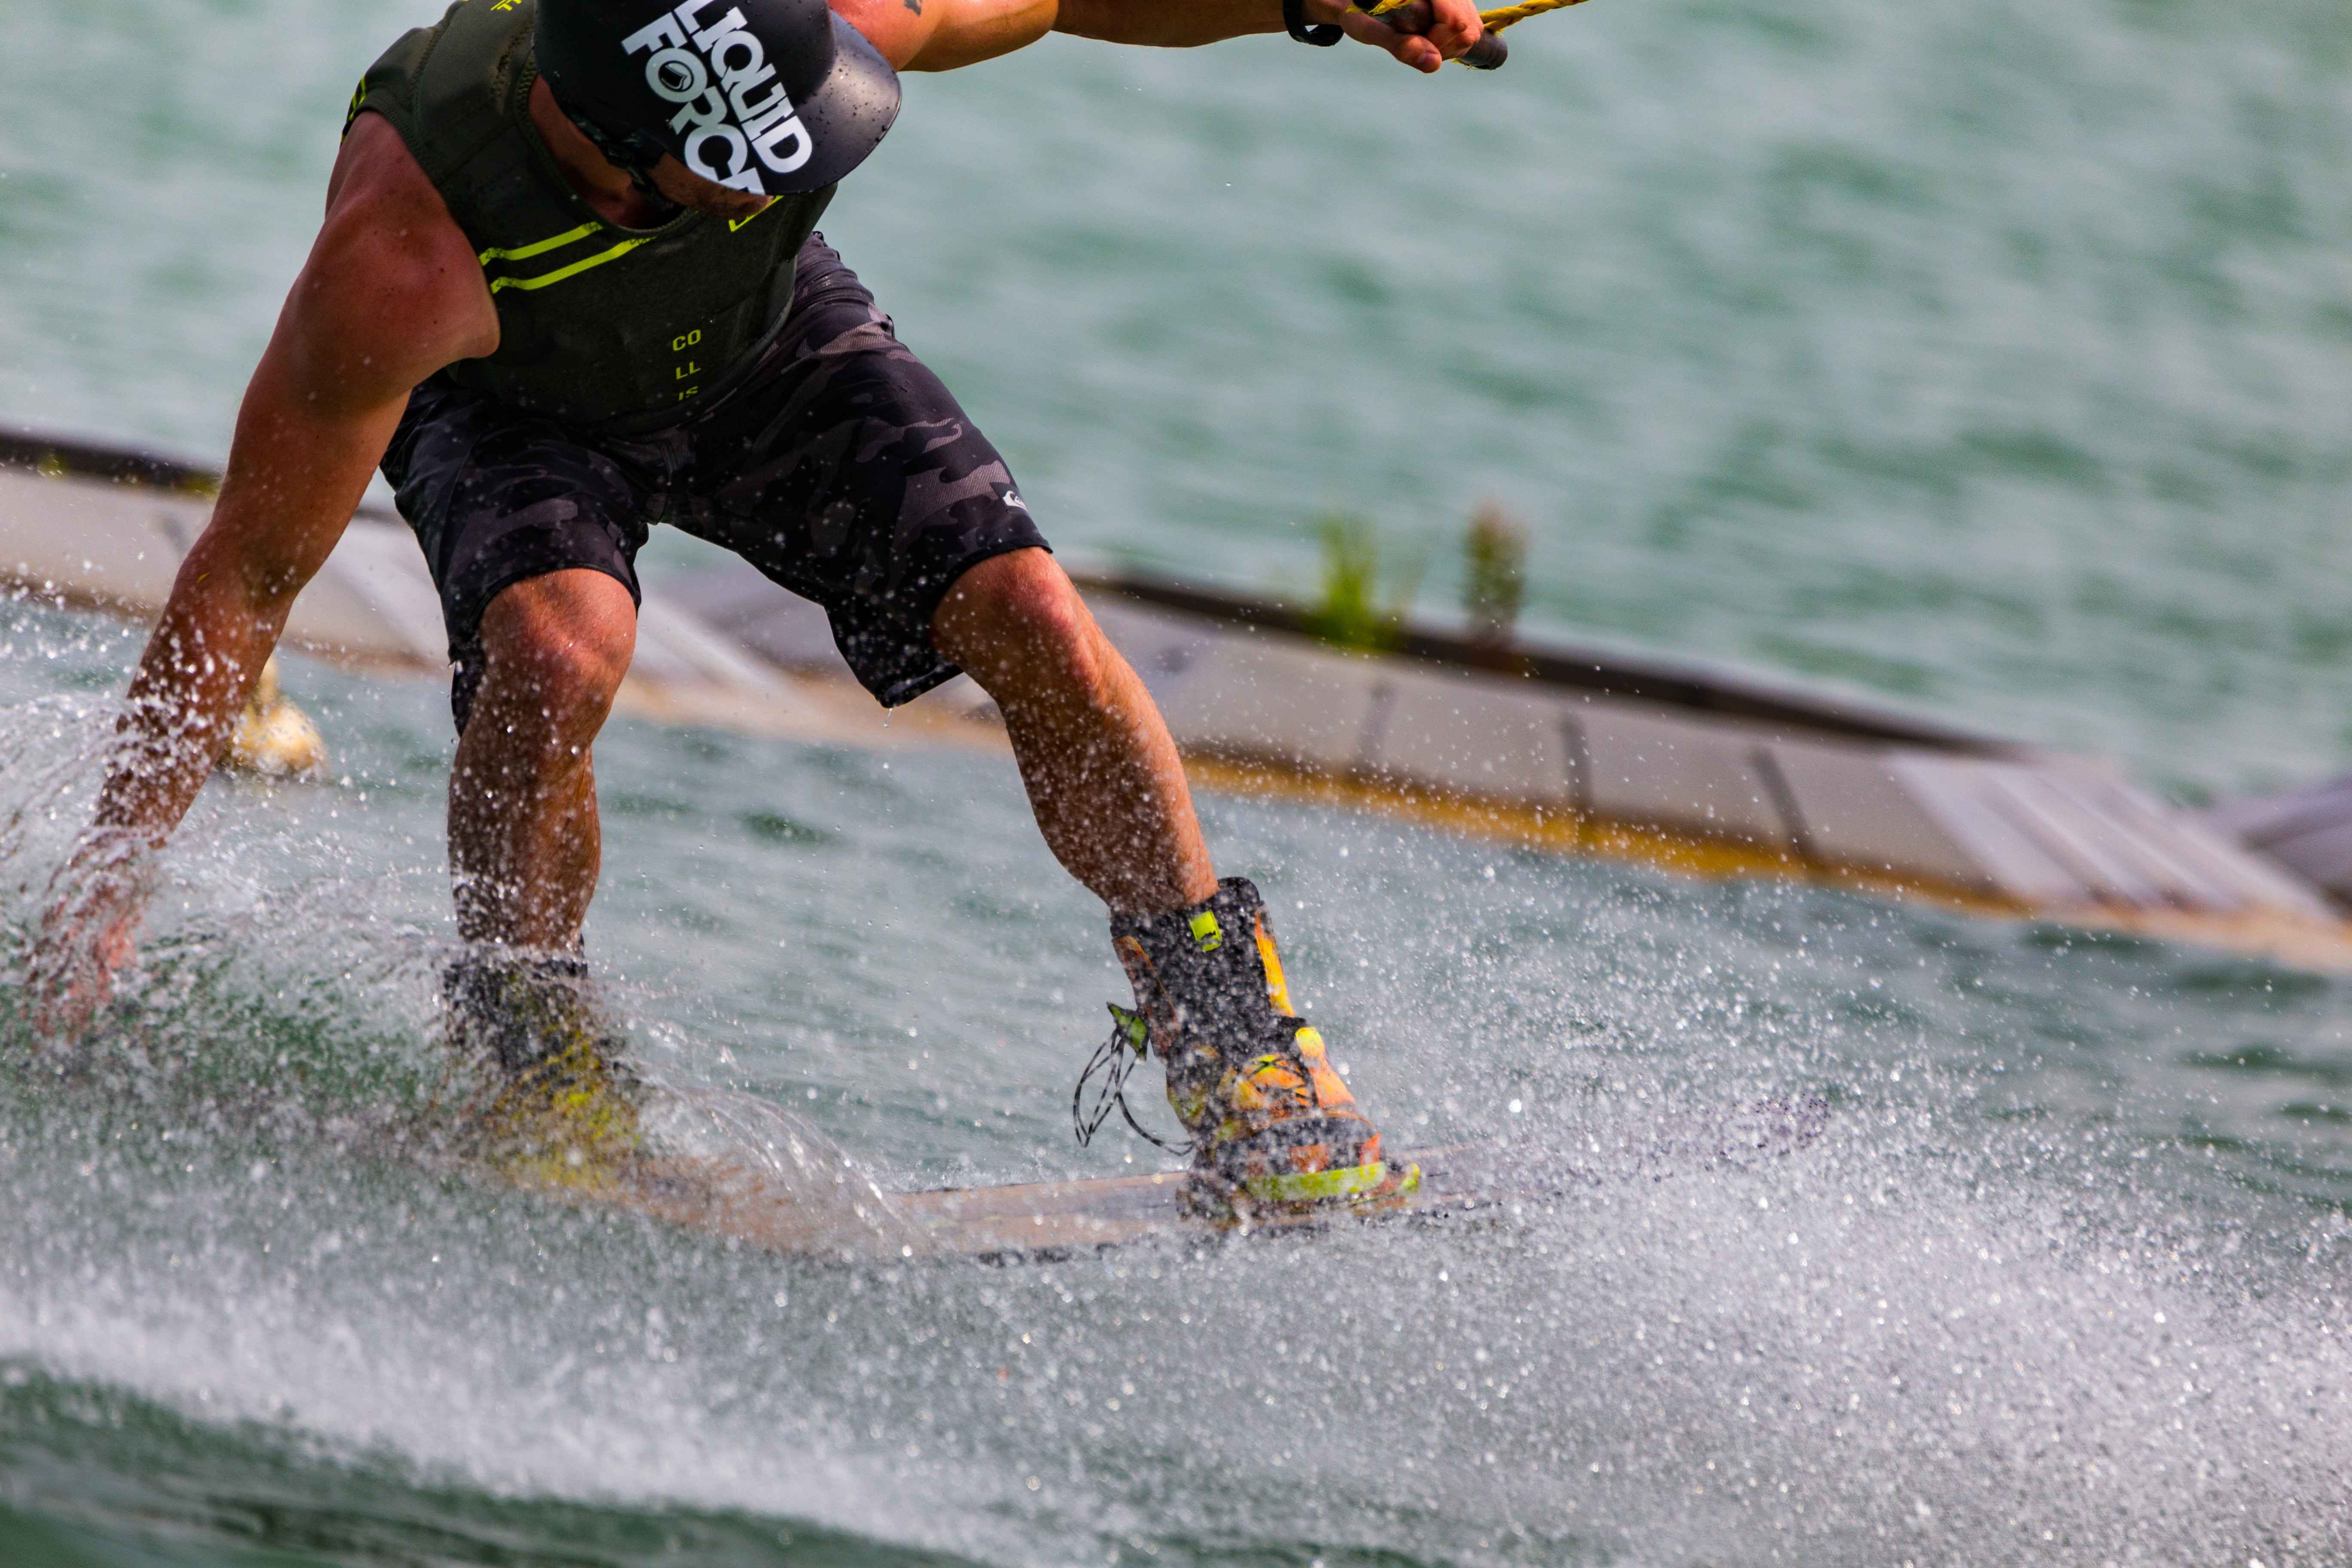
column 735, row 224
column 560, row 273
column 538, row 246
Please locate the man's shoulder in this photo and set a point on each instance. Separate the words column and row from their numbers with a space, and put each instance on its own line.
column 390, row 267
column 380, row 190
column 449, row 89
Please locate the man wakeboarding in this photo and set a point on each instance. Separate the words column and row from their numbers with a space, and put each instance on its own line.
column 569, row 285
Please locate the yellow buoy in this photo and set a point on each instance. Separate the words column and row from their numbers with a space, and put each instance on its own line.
column 274, row 738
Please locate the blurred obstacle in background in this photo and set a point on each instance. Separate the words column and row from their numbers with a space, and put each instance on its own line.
column 1494, row 576
column 273, row 737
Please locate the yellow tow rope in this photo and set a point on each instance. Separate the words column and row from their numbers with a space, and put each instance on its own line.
column 1504, row 16
column 1483, row 55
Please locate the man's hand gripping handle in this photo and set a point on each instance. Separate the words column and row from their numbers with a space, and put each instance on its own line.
column 1415, row 16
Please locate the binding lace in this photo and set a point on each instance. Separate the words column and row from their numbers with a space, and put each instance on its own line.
column 1115, row 1058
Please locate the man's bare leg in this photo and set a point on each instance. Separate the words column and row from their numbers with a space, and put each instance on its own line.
column 524, row 846
column 1252, row 1083
column 1101, row 770
column 1100, row 767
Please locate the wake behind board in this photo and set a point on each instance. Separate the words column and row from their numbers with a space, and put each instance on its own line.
column 739, row 1167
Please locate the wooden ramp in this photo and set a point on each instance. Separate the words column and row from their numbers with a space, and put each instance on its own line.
column 2305, row 833
column 1709, row 771
column 98, row 528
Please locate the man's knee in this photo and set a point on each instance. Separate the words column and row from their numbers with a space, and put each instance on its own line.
column 1015, row 617
column 558, row 645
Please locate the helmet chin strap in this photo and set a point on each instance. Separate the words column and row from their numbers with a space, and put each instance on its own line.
column 634, row 155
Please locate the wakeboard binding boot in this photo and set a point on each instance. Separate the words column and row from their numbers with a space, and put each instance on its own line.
column 1271, row 1122
column 558, row 1103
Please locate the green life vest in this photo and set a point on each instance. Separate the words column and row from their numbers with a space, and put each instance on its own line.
column 598, row 324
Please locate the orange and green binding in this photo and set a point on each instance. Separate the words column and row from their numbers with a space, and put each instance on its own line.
column 1249, row 1078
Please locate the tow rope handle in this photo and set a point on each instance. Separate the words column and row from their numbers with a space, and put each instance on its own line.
column 1489, row 52
column 1415, row 16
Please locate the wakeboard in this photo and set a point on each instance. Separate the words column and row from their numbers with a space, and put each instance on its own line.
column 1462, row 1181
column 738, row 1166
column 1050, row 1219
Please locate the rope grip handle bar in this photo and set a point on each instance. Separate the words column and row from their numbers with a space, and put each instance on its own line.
column 1415, row 16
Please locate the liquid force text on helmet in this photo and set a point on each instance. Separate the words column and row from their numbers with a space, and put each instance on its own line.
column 728, row 96
column 767, row 97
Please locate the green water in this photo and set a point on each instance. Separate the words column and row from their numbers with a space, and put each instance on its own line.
column 1986, row 357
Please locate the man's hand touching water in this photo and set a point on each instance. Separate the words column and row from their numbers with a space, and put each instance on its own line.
column 89, row 932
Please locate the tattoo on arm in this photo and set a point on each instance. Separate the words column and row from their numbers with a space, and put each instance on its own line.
column 914, row 5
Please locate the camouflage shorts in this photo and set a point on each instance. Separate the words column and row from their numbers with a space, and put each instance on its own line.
column 841, row 468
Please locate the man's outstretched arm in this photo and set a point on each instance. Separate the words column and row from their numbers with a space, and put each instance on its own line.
column 390, row 293
column 1183, row 24
column 942, row 34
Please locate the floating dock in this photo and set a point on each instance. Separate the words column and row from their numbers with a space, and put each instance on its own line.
column 1712, row 773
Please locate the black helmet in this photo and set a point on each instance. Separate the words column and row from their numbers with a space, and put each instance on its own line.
column 765, row 96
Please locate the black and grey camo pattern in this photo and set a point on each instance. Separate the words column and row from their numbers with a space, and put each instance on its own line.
column 842, row 468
